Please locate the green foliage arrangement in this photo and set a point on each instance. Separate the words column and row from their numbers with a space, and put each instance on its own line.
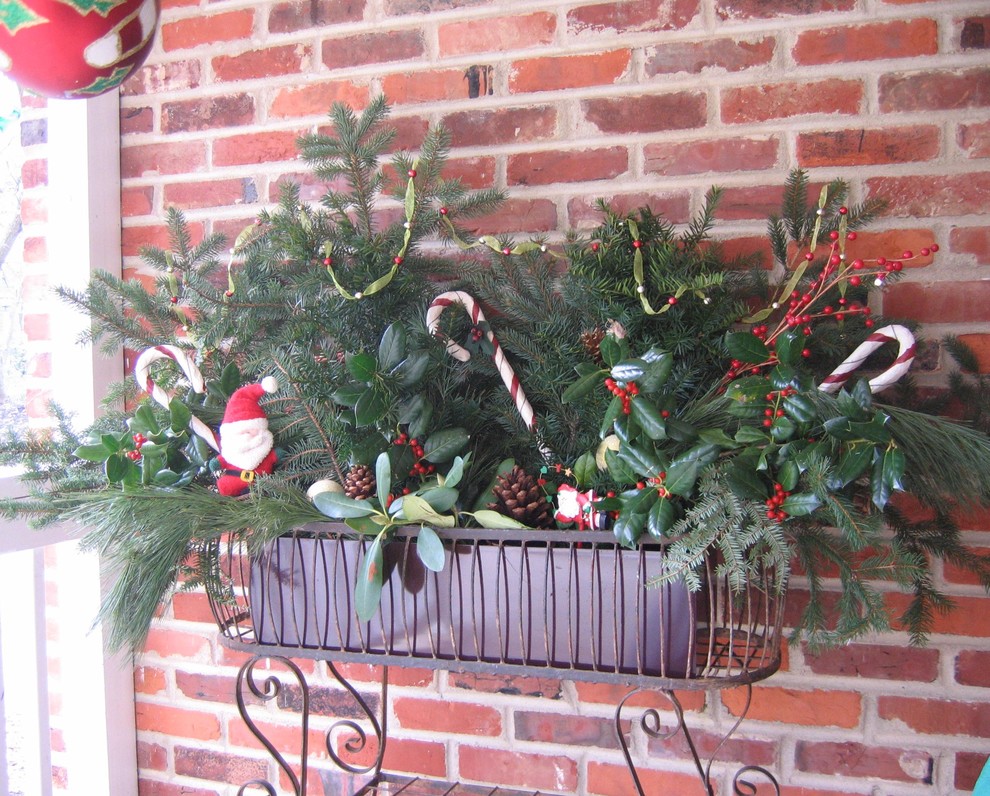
column 678, row 389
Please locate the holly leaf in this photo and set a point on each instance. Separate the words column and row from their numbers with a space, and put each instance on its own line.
column 656, row 371
column 611, row 349
column 628, row 370
column 800, row 407
column 92, row 453
column 348, row 396
column 392, row 348
column 368, row 588
column 611, row 413
column 640, row 460
column 660, row 518
column 888, row 469
column 230, row 379
column 788, row 475
column 789, row 347
column 800, row 505
column 412, row 369
column 585, row 469
column 370, row 408
column 746, row 347
column 444, row 445
column 853, row 463
column 649, row 418
column 180, row 415
column 361, row 366
column 584, row 385
column 681, row 477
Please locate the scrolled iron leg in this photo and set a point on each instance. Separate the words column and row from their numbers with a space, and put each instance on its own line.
column 358, row 740
column 652, row 726
column 270, row 688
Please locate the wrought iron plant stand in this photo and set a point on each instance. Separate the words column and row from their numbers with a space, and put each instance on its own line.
column 561, row 604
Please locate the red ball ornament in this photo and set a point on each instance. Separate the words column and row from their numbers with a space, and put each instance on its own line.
column 72, row 49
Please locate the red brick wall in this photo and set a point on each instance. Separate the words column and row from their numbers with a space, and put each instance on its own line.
column 647, row 101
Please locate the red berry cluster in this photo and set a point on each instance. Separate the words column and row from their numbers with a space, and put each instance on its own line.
column 420, row 468
column 774, row 502
column 476, row 334
column 139, row 440
column 657, row 482
column 774, row 410
column 625, row 394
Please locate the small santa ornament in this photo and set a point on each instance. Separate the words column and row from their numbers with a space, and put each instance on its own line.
column 246, row 444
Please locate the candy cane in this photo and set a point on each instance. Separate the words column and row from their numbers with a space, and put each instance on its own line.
column 458, row 352
column 185, row 362
column 905, row 356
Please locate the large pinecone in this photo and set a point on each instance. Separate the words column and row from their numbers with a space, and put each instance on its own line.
column 519, row 496
column 359, row 483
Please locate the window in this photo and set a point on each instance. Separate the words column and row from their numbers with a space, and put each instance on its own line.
column 96, row 726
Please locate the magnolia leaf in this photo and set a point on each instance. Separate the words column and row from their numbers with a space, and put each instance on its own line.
column 455, row 473
column 339, row 506
column 392, row 348
column 368, row 588
column 383, row 478
column 371, row 526
column 440, row 498
column 361, row 366
column 430, row 550
column 487, row 518
column 415, row 509
column 746, row 347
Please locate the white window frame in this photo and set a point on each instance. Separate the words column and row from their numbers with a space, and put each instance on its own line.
column 83, row 236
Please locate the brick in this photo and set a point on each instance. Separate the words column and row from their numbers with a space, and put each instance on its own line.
column 969, row 766
column 430, row 86
column 474, row 173
column 402, row 755
column 934, row 90
column 40, row 367
column 175, row 157
column 941, row 302
column 326, row 701
column 675, row 206
column 34, row 132
column 403, row 7
column 207, row 113
column 979, row 345
column 969, row 617
column 612, row 694
column 683, row 110
column 477, row 36
column 517, row 215
column 892, row 243
column 974, row 139
column 937, row 717
column 694, row 57
column 286, row 738
column 461, row 718
column 36, row 327
column 711, row 155
column 973, row 668
column 879, row 40
column 373, row 48
column 924, row 196
column 169, row 643
column 516, row 769
column 975, row 34
column 218, row 766
column 35, row 250
column 207, row 687
column 315, row 99
column 199, row 30
column 876, row 661
column 954, row 573
column 34, row 173
column 708, row 744
column 747, row 104
column 632, row 15
column 269, row 62
column 34, row 210
column 744, row 249
column 302, row 15
column 762, row 9
column 504, row 126
column 136, row 120
column 554, row 73
column 756, row 202
column 263, row 147
column 851, row 759
column 168, row 720
column 514, row 685
column 154, row 787
column 178, row 75
column 816, row 707
column 608, row 779
column 136, row 201
column 547, row 168
column 149, row 680
column 152, row 756
column 565, row 728
column 866, row 147
column 215, row 193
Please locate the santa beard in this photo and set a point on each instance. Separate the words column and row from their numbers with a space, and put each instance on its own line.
column 245, row 443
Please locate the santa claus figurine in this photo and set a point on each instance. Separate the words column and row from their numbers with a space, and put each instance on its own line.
column 246, row 444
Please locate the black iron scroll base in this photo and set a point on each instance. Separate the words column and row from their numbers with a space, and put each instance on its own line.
column 255, row 691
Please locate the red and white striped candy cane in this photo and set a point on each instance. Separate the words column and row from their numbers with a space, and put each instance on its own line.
column 142, row 374
column 888, row 334
column 458, row 352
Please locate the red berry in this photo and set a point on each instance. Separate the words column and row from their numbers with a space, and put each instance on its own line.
column 174, row 299
column 444, row 211
column 857, row 264
column 907, row 255
column 806, row 353
column 328, row 260
column 855, row 281
column 672, row 301
column 843, row 210
column 850, row 236
column 397, row 260
column 934, row 247
column 833, row 235
column 506, row 251
column 809, row 256
column 637, row 244
column 412, row 172
column 925, row 251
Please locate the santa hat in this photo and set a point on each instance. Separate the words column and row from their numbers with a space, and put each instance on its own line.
column 244, row 436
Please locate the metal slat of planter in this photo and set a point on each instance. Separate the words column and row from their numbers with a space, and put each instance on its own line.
column 571, row 605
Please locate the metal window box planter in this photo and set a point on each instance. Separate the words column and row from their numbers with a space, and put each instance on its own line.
column 569, row 603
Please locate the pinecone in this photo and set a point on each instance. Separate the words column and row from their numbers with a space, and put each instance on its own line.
column 591, row 341
column 359, row 483
column 519, row 496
